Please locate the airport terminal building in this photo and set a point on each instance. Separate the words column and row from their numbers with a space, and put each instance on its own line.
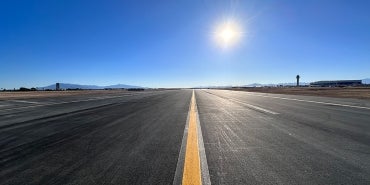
column 336, row 83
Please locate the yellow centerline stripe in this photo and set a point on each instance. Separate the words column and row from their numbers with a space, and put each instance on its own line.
column 192, row 173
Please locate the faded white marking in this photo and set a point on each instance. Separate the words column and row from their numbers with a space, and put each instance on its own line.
column 64, row 102
column 255, row 107
column 24, row 101
column 310, row 101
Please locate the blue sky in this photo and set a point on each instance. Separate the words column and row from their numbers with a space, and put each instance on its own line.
column 170, row 43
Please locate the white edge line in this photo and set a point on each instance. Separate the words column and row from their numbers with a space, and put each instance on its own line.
column 202, row 152
column 177, row 180
column 202, row 155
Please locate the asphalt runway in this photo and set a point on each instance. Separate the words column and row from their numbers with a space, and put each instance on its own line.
column 141, row 138
column 254, row 138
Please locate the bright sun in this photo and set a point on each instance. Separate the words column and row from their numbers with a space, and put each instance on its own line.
column 228, row 33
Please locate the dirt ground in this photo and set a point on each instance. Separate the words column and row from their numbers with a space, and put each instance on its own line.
column 33, row 94
column 337, row 92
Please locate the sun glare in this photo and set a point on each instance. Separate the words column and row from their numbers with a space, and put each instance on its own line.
column 228, row 34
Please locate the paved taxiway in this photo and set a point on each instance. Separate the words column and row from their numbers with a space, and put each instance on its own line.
column 136, row 138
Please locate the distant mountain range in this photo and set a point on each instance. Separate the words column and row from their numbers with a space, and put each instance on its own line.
column 77, row 86
column 123, row 86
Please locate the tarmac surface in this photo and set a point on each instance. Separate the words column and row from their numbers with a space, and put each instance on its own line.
column 139, row 138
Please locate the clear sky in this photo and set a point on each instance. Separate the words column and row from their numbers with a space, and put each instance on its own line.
column 157, row 43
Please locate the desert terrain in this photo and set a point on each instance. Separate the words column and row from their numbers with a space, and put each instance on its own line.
column 336, row 92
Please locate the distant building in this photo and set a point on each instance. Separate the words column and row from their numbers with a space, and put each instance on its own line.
column 336, row 83
column 57, row 86
column 298, row 80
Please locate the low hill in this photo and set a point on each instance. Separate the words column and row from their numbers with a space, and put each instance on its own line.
column 78, row 86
